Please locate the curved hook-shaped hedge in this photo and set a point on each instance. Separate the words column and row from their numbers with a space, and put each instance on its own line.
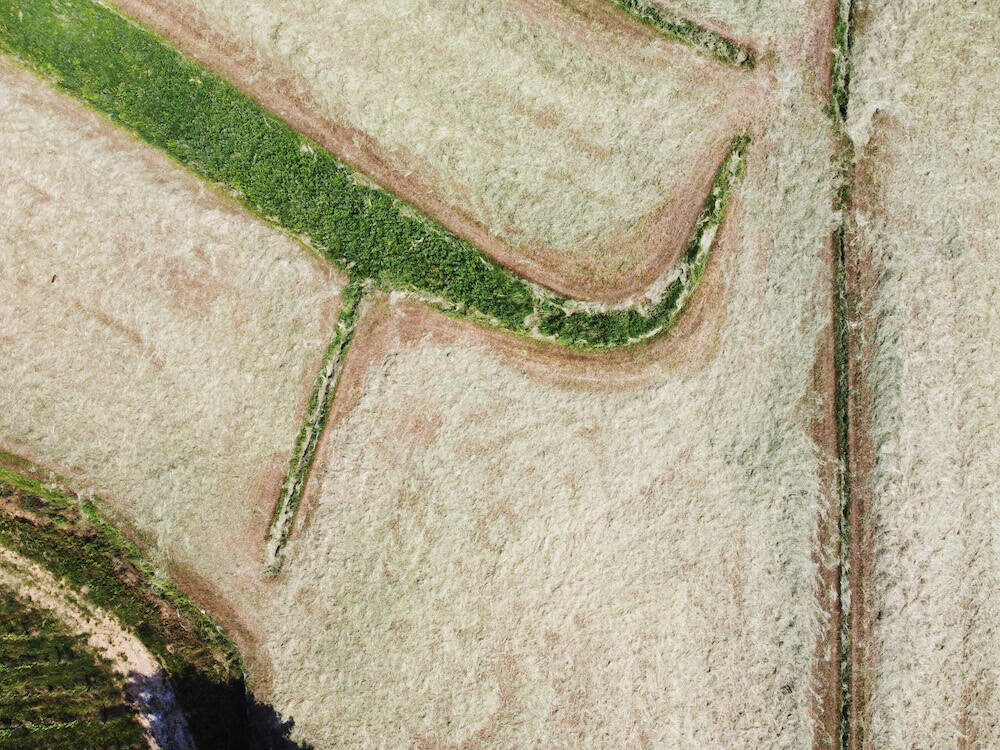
column 134, row 77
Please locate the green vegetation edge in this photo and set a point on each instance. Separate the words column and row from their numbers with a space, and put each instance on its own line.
column 687, row 31
column 68, row 536
column 131, row 75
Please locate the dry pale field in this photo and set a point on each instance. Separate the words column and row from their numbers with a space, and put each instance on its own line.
column 567, row 140
column 146, row 686
column 502, row 545
column 159, row 345
column 926, row 236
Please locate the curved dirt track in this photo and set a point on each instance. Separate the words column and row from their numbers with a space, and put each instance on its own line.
column 631, row 255
column 145, row 682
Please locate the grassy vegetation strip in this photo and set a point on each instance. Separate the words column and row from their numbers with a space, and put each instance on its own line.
column 312, row 429
column 687, row 31
column 590, row 325
column 67, row 536
column 131, row 75
column 840, row 70
column 55, row 690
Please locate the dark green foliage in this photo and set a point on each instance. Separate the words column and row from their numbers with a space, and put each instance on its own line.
column 67, row 536
column 128, row 73
column 840, row 69
column 55, row 691
column 689, row 32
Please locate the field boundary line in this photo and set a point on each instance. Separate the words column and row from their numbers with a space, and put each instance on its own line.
column 840, row 78
column 681, row 28
column 131, row 75
column 317, row 412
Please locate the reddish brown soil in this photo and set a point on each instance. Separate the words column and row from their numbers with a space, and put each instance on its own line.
column 826, row 671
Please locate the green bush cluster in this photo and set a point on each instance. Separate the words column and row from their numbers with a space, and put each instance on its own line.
column 55, row 691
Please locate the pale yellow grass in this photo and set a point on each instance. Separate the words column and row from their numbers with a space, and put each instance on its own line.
column 569, row 141
column 158, row 344
column 924, row 107
column 490, row 556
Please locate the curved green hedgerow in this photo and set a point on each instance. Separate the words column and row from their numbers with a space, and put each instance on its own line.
column 69, row 537
column 687, row 31
column 312, row 428
column 134, row 77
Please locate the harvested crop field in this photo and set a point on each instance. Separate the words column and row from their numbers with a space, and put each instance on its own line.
column 568, row 141
column 505, row 545
column 519, row 373
column 160, row 345
column 926, row 243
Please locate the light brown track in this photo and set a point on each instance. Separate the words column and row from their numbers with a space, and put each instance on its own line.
column 655, row 245
column 826, row 669
column 862, row 278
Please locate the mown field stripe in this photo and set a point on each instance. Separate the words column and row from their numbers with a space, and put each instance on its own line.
column 685, row 30
column 312, row 430
column 135, row 78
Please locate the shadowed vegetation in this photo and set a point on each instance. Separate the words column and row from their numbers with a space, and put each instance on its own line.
column 67, row 535
column 133, row 77
column 55, row 691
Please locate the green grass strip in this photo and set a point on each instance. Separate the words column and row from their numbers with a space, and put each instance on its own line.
column 840, row 68
column 136, row 79
column 312, row 429
column 687, row 31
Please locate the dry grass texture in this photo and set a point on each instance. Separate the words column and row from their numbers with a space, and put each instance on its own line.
column 923, row 115
column 533, row 551
column 572, row 143
column 158, row 344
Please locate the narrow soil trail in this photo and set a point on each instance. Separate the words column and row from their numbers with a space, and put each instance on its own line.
column 146, row 684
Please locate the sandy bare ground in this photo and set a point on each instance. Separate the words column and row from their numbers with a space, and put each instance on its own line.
column 635, row 156
column 145, row 682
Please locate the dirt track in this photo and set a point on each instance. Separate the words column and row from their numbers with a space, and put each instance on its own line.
column 631, row 256
column 145, row 683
